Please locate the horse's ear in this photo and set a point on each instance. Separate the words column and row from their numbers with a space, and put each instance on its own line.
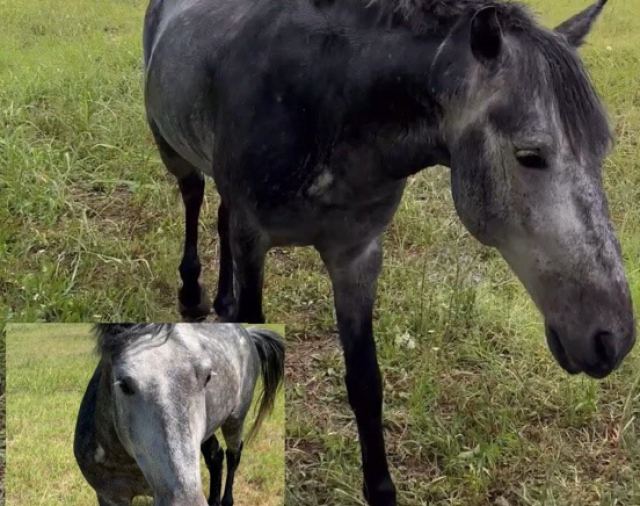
column 486, row 35
column 576, row 28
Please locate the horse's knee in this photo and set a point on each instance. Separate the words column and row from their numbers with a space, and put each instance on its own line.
column 218, row 458
column 233, row 456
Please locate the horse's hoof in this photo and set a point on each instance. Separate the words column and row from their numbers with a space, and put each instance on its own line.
column 193, row 309
column 194, row 314
column 237, row 317
column 225, row 307
column 384, row 494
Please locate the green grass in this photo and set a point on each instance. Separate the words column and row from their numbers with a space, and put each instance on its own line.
column 2, row 412
column 49, row 367
column 476, row 410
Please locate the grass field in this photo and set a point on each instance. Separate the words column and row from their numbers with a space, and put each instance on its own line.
column 2, row 413
column 49, row 366
column 476, row 410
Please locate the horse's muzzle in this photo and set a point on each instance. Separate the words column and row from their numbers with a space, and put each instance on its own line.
column 603, row 352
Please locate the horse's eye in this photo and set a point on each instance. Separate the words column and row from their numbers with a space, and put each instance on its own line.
column 531, row 159
column 207, row 379
column 125, row 386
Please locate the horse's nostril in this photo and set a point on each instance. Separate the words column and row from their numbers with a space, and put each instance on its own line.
column 606, row 348
column 559, row 351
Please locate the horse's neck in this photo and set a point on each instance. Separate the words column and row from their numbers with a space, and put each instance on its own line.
column 392, row 68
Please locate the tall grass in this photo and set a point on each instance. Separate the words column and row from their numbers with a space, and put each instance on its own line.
column 476, row 410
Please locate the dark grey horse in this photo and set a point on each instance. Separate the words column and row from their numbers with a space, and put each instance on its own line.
column 310, row 115
column 155, row 400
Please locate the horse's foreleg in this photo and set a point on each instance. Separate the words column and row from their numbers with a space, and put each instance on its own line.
column 224, row 302
column 193, row 301
column 249, row 250
column 213, row 457
column 354, row 276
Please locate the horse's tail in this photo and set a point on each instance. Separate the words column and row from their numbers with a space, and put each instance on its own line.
column 270, row 349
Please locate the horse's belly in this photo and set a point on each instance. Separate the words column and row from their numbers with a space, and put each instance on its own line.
column 344, row 228
column 318, row 224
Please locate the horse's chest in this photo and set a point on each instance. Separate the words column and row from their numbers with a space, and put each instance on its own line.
column 333, row 206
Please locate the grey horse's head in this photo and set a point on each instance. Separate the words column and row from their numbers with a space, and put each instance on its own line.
column 158, row 390
column 527, row 136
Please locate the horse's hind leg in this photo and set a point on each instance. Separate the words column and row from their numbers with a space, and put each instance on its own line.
column 194, row 304
column 232, row 432
column 248, row 249
column 193, row 300
column 213, row 457
column 224, row 303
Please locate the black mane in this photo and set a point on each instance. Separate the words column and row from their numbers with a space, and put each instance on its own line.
column 112, row 338
column 565, row 78
column 424, row 16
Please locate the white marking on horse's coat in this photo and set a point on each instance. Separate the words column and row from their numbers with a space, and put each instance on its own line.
column 321, row 184
column 100, row 455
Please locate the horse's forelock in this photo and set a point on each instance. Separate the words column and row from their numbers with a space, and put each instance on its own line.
column 553, row 71
column 113, row 338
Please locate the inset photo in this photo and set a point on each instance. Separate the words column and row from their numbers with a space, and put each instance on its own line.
column 164, row 414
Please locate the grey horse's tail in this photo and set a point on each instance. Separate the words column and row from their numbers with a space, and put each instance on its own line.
column 270, row 349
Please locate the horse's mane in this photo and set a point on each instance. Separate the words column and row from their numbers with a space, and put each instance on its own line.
column 431, row 15
column 583, row 117
column 112, row 338
column 581, row 113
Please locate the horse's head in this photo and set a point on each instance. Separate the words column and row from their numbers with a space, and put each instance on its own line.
column 527, row 136
column 158, row 391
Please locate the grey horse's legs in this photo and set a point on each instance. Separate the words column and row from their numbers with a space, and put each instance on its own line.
column 232, row 432
column 354, row 273
column 224, row 303
column 193, row 300
column 213, row 457
column 249, row 250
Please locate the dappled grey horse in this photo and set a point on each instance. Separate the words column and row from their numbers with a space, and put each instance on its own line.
column 310, row 115
column 158, row 394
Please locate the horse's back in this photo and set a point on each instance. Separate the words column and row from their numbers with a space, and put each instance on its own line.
column 184, row 42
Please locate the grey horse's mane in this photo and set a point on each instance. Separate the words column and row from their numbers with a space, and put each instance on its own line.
column 112, row 338
column 550, row 70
